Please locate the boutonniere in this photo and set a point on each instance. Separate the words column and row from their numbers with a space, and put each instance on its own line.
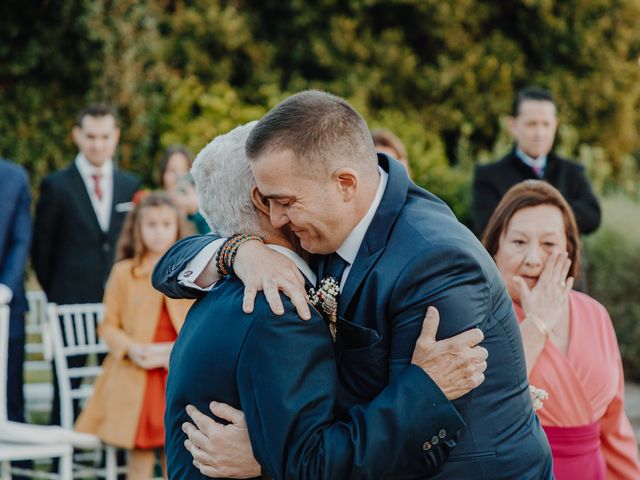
column 326, row 298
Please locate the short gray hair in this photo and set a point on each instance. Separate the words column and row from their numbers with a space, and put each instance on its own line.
column 223, row 179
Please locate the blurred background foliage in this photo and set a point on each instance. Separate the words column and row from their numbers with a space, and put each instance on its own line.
column 441, row 74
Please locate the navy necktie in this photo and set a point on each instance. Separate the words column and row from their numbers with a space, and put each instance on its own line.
column 331, row 266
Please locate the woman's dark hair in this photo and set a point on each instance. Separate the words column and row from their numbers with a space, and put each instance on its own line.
column 532, row 193
column 168, row 153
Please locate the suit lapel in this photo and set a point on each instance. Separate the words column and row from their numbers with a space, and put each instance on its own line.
column 375, row 239
column 84, row 200
column 119, row 196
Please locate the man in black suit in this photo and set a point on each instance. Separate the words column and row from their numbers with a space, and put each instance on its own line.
column 533, row 125
column 79, row 216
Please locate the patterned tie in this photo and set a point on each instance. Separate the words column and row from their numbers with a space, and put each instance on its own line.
column 97, row 189
column 327, row 293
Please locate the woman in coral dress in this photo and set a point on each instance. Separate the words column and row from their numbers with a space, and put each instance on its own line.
column 570, row 346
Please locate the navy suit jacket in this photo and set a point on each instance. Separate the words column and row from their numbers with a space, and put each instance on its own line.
column 415, row 254
column 71, row 254
column 15, row 237
column 281, row 371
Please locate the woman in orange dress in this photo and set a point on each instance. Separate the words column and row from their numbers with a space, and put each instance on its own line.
column 570, row 346
column 140, row 325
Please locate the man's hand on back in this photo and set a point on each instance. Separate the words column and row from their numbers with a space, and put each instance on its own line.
column 456, row 364
column 261, row 268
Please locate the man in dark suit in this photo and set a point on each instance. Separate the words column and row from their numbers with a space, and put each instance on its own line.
column 283, row 369
column 533, row 125
column 314, row 162
column 79, row 216
column 15, row 237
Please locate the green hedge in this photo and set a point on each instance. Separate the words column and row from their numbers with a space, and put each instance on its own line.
column 613, row 254
column 439, row 73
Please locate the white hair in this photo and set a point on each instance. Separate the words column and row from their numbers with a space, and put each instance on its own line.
column 223, row 179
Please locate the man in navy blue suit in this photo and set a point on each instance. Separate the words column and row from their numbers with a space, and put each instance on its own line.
column 314, row 162
column 282, row 370
column 15, row 236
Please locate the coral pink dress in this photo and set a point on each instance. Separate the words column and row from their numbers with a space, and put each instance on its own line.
column 151, row 423
column 584, row 419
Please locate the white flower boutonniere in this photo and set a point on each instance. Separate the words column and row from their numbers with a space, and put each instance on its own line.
column 538, row 395
column 326, row 298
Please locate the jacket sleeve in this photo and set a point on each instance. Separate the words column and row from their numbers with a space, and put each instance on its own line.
column 165, row 273
column 13, row 265
column 485, row 199
column 44, row 239
column 585, row 205
column 619, row 443
column 110, row 329
column 287, row 383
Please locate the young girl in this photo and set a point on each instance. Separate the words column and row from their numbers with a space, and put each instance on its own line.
column 140, row 325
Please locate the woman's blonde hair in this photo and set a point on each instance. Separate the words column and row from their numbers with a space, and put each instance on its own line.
column 130, row 244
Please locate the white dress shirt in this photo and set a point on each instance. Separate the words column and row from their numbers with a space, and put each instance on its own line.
column 101, row 207
column 536, row 164
column 348, row 250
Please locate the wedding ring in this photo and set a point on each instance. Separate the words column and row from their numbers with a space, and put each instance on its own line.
column 562, row 284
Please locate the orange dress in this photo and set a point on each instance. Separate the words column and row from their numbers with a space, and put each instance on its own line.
column 586, row 385
column 151, row 423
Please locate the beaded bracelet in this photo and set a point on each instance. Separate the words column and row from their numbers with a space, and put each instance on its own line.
column 226, row 255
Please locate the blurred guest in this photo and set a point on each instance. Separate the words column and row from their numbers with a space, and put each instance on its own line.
column 533, row 124
column 570, row 346
column 175, row 178
column 15, row 236
column 140, row 325
column 386, row 142
column 79, row 216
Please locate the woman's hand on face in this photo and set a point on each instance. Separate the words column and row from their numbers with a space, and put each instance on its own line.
column 548, row 300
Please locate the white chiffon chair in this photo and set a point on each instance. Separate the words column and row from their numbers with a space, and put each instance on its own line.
column 19, row 441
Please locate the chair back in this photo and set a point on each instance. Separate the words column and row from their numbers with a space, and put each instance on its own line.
column 4, row 353
column 79, row 338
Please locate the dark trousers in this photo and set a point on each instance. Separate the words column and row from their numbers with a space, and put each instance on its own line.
column 15, row 379
column 15, row 388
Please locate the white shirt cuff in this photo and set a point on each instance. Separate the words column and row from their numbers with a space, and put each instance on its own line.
column 6, row 294
column 196, row 265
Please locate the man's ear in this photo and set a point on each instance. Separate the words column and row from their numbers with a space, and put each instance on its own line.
column 260, row 201
column 347, row 180
column 511, row 125
column 76, row 133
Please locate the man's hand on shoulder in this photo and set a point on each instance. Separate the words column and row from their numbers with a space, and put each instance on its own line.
column 261, row 268
column 455, row 364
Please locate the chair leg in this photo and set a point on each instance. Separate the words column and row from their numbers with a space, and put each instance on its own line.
column 110, row 464
column 5, row 472
column 66, row 466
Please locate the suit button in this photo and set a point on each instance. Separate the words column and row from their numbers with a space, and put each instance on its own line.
column 435, row 440
column 106, row 247
column 426, row 446
column 442, row 433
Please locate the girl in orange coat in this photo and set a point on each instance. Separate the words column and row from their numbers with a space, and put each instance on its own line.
column 140, row 326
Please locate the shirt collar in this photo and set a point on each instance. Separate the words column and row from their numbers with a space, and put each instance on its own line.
column 300, row 263
column 540, row 162
column 349, row 248
column 86, row 169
